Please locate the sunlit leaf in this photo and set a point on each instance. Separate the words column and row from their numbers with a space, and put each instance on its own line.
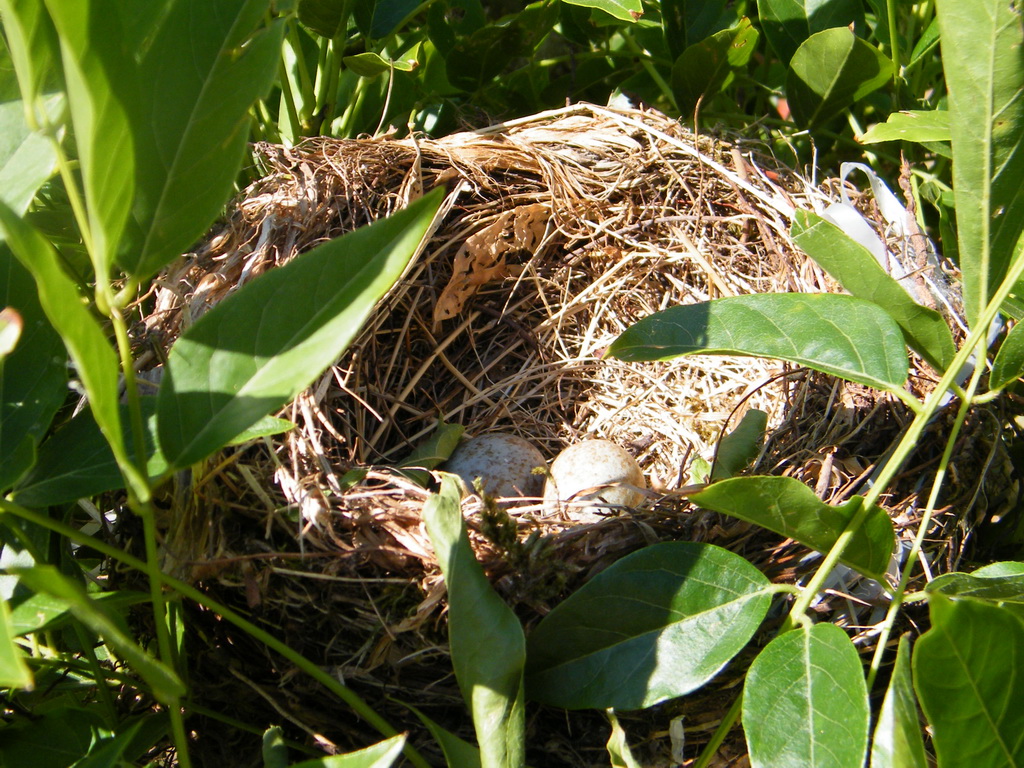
column 897, row 742
column 458, row 753
column 32, row 42
column 27, row 159
column 260, row 347
column 1009, row 363
column 981, row 45
column 1000, row 586
column 969, row 676
column 91, row 38
column 910, row 125
column 656, row 624
column 487, row 645
column 197, row 78
column 842, row 335
column 788, row 23
column 805, row 702
column 788, row 507
column 829, row 72
column 14, row 672
column 859, row 272
column 625, row 10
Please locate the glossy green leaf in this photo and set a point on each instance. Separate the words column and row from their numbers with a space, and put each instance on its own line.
column 897, row 742
column 14, row 672
column 93, row 55
column 487, row 645
column 705, row 68
column 981, row 45
column 166, row 685
column 788, row 507
column 370, row 64
column 197, row 79
column 910, row 125
column 380, row 755
column 76, row 462
column 788, row 23
column 32, row 42
column 859, row 272
column 830, row 71
column 27, row 159
column 33, row 377
column 994, row 586
column 624, row 10
column 969, row 676
column 94, row 358
column 260, row 347
column 689, row 21
column 1009, row 363
column 657, row 624
column 458, row 753
column 328, row 18
column 1002, row 568
column 841, row 335
column 741, row 446
column 805, row 702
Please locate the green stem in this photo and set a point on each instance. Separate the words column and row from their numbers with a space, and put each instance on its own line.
column 894, row 47
column 730, row 719
column 645, row 61
column 344, row 693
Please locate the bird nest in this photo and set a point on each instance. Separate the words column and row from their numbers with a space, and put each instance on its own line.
column 561, row 230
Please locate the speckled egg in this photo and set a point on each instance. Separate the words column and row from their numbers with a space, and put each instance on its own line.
column 592, row 463
column 503, row 462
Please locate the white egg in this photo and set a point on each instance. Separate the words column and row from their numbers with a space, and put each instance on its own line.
column 503, row 462
column 593, row 463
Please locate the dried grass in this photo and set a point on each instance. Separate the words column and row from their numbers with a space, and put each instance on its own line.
column 562, row 230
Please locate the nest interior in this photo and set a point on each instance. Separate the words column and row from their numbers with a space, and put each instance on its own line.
column 559, row 231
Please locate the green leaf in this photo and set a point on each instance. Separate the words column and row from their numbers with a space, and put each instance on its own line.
column 981, row 44
column 968, row 672
column 32, row 42
column 166, row 685
column 657, row 624
column 624, row 10
column 479, row 58
column 1009, row 363
column 689, row 21
column 93, row 56
column 41, row 611
column 328, row 18
column 897, row 742
column 788, row 507
column 54, row 739
column 989, row 586
column 94, row 358
column 1004, row 568
column 857, row 270
column 458, row 753
column 788, row 23
column 841, row 335
column 275, row 751
column 76, row 462
column 370, row 64
column 618, row 747
column 705, row 68
column 910, row 125
column 14, row 672
column 487, row 645
column 380, row 755
column 432, row 452
column 379, row 18
column 741, row 446
column 265, row 427
column 830, row 71
column 805, row 703
column 201, row 72
column 27, row 159
column 106, row 752
column 33, row 378
column 260, row 347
